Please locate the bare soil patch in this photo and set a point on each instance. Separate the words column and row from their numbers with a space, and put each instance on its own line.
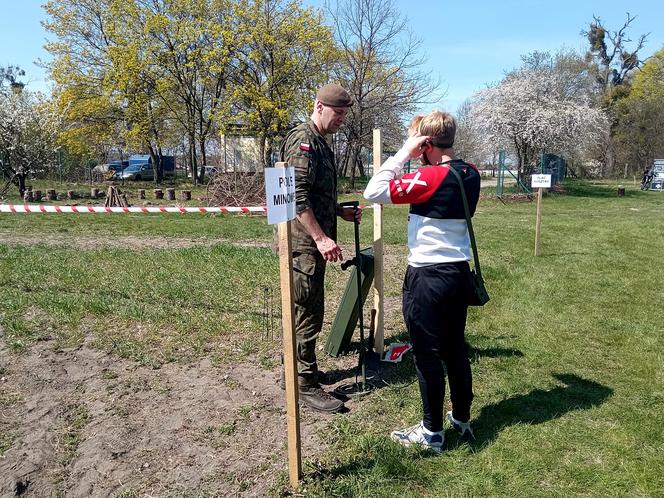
column 84, row 423
column 81, row 422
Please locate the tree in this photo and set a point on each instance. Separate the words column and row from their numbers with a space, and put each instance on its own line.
column 9, row 79
column 28, row 131
column 80, row 69
column 470, row 143
column 284, row 52
column 176, row 69
column 612, row 60
column 163, row 73
column 380, row 67
column 537, row 109
column 640, row 116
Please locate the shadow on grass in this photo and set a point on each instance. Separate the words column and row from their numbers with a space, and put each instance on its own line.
column 586, row 189
column 538, row 406
column 476, row 353
column 382, row 374
column 378, row 457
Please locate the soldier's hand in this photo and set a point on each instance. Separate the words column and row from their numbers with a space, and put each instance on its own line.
column 350, row 214
column 329, row 249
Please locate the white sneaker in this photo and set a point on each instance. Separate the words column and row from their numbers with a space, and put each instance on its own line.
column 463, row 428
column 417, row 434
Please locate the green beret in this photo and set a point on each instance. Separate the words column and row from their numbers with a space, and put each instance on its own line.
column 334, row 95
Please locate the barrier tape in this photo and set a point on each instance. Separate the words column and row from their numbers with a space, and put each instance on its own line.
column 40, row 208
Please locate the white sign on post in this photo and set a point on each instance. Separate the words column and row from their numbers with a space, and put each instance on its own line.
column 541, row 181
column 280, row 194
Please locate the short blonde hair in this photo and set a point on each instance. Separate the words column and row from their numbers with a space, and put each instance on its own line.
column 438, row 125
column 414, row 126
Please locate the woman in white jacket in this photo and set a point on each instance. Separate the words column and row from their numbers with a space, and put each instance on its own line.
column 437, row 282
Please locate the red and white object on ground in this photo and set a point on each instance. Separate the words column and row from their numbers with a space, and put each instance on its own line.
column 396, row 350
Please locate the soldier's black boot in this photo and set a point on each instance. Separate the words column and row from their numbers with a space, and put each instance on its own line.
column 316, row 398
column 323, row 378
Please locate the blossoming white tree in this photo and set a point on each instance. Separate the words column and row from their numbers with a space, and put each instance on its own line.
column 28, row 132
column 538, row 108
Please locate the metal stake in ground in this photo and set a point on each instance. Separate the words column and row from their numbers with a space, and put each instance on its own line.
column 363, row 387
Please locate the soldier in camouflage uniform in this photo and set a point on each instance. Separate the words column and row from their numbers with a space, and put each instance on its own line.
column 315, row 231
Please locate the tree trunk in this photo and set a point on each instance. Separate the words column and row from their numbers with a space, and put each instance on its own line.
column 157, row 166
column 262, row 149
column 519, row 157
column 20, row 179
column 192, row 158
column 360, row 166
column 269, row 148
column 201, row 145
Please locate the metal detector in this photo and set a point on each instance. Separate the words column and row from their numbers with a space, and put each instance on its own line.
column 363, row 386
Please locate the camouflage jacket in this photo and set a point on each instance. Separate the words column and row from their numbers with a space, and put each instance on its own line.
column 306, row 150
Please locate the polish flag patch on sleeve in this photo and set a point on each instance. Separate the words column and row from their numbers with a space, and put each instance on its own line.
column 304, row 146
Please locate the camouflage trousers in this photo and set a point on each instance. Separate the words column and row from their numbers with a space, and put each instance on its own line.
column 309, row 290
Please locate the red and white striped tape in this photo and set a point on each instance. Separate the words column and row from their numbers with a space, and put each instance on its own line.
column 40, row 208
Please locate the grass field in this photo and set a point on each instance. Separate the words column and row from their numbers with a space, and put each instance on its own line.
column 567, row 356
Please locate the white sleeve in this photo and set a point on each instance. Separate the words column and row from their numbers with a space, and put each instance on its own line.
column 378, row 188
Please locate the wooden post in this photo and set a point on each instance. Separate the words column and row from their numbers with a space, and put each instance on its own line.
column 158, row 193
column 94, row 193
column 290, row 366
column 170, row 194
column 538, row 222
column 379, row 339
column 186, row 195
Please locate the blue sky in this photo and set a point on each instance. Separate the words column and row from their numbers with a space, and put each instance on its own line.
column 469, row 44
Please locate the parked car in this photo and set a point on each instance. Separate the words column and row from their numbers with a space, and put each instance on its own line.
column 653, row 179
column 210, row 171
column 657, row 184
column 108, row 171
column 167, row 162
column 136, row 172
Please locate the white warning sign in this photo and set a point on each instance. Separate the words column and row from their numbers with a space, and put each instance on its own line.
column 280, row 194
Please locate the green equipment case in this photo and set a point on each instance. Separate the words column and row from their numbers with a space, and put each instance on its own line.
column 347, row 315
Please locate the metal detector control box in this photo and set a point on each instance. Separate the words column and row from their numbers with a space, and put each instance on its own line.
column 347, row 315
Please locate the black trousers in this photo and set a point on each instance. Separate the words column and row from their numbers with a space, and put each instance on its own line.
column 435, row 306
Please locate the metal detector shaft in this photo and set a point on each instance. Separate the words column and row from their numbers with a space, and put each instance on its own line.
column 358, row 263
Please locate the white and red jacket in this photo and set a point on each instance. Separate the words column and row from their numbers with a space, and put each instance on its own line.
column 437, row 228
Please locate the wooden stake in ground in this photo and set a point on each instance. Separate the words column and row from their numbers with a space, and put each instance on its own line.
column 290, row 365
column 275, row 183
column 540, row 182
column 538, row 222
column 379, row 340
